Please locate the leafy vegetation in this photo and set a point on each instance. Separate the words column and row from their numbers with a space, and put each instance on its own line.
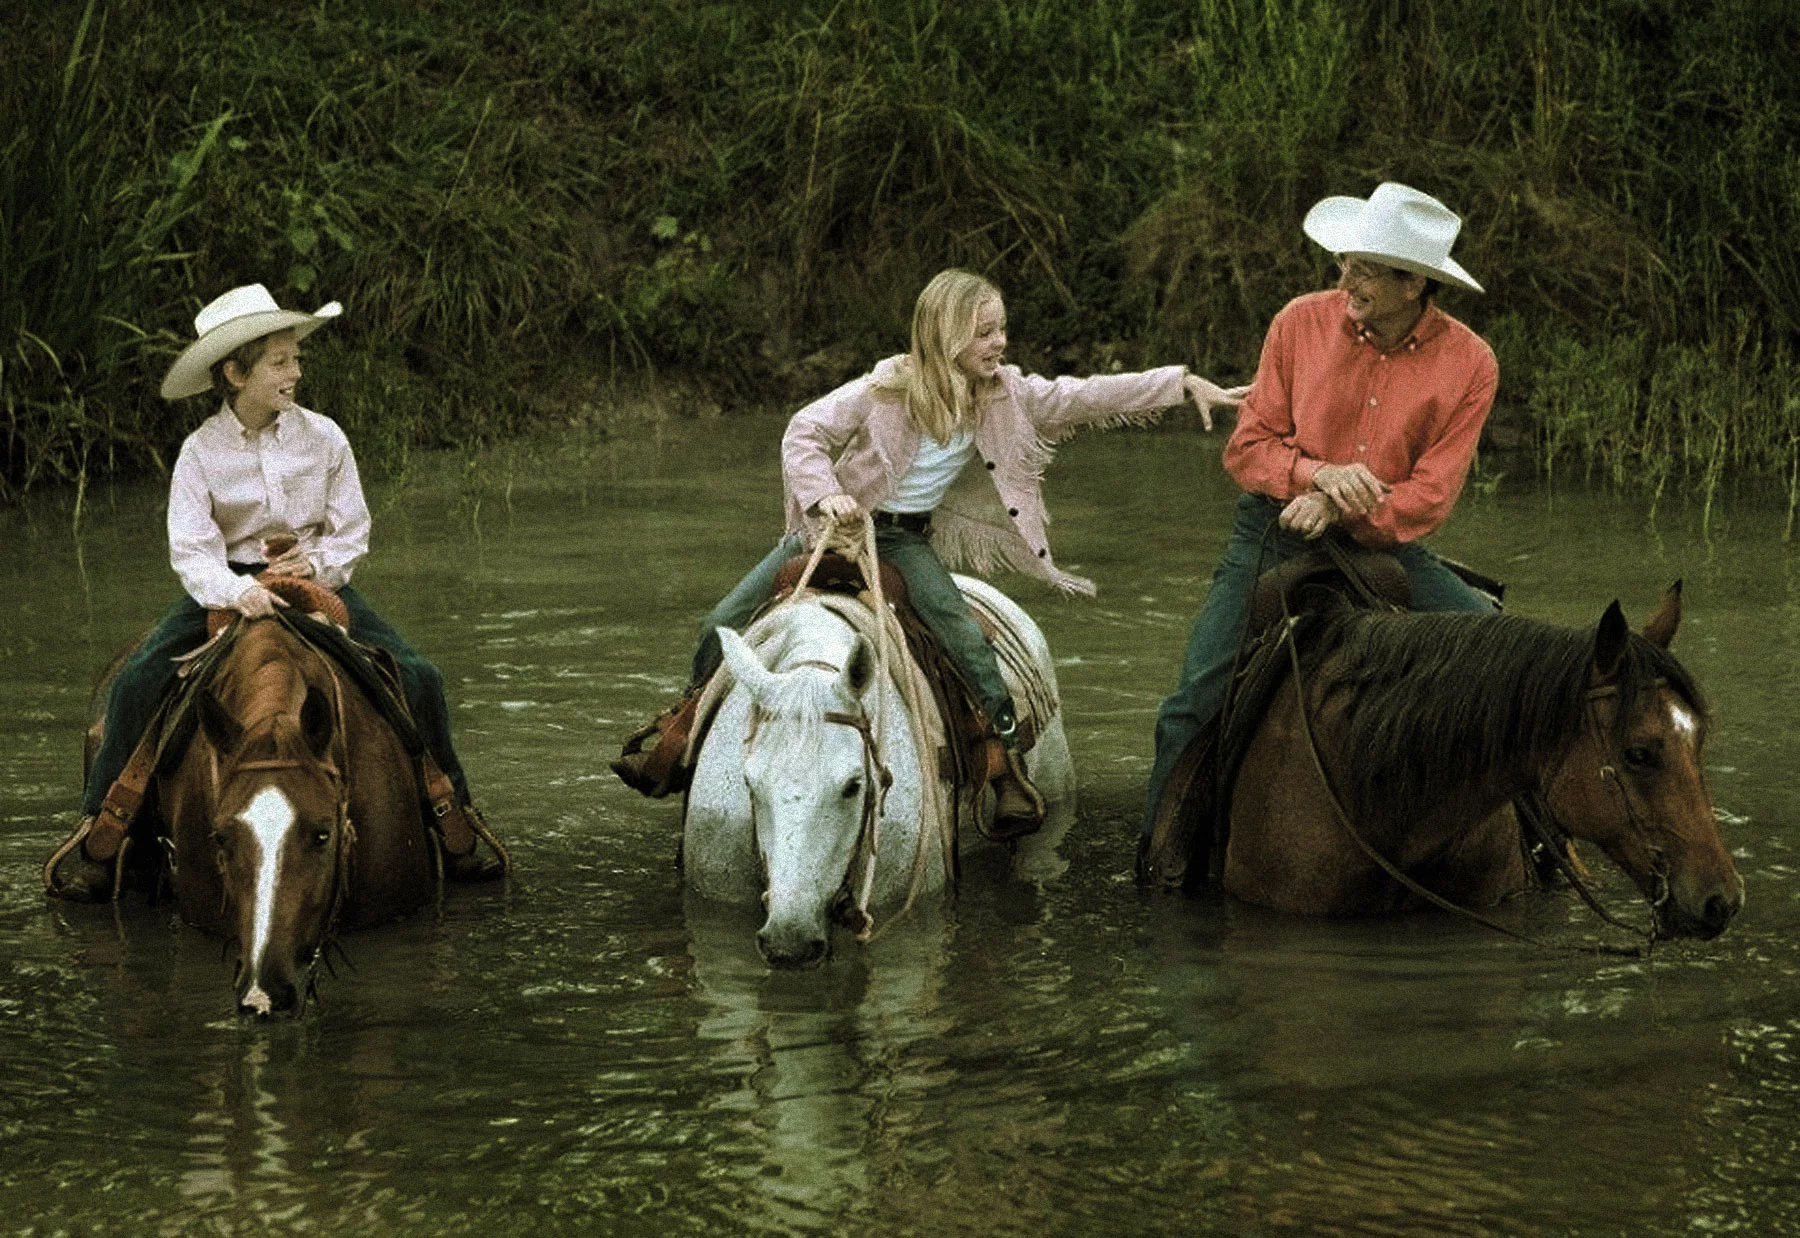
column 524, row 205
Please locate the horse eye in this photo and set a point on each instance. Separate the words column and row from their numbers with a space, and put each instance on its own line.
column 1640, row 758
column 853, row 788
column 221, row 840
column 320, row 837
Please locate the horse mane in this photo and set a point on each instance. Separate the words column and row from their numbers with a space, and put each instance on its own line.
column 800, row 699
column 264, row 685
column 1433, row 704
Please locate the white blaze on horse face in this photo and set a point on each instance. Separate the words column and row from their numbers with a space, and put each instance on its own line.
column 270, row 816
column 1684, row 722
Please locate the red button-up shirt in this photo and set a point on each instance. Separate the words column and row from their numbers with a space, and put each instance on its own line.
column 1326, row 394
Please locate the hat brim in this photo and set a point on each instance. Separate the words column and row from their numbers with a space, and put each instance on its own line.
column 192, row 372
column 1336, row 224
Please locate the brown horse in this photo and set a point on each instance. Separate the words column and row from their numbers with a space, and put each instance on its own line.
column 1418, row 732
column 294, row 812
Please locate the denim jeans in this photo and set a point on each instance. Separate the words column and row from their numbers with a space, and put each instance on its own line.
column 934, row 596
column 1213, row 643
column 147, row 674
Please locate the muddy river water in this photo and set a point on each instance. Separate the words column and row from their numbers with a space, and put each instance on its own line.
column 586, row 1051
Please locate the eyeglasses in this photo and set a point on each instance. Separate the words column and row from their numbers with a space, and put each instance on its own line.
column 1358, row 271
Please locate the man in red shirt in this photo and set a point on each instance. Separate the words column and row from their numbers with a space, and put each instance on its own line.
column 1365, row 413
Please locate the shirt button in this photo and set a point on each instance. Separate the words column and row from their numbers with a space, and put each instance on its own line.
column 1374, row 403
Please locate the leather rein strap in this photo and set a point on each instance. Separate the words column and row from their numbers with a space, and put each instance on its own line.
column 1607, row 773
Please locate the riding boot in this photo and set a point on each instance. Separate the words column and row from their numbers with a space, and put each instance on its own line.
column 1018, row 805
column 657, row 770
column 72, row 874
column 464, row 821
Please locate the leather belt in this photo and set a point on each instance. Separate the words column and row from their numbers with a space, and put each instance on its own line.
column 916, row 522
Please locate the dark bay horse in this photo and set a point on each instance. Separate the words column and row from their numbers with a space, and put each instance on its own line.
column 1420, row 729
column 294, row 812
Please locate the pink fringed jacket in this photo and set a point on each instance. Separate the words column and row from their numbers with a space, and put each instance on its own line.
column 858, row 440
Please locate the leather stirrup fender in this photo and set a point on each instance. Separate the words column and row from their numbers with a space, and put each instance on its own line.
column 452, row 826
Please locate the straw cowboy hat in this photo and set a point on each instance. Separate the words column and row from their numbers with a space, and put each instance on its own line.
column 1395, row 225
column 241, row 315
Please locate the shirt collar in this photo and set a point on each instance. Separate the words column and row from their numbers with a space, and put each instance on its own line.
column 241, row 435
column 1428, row 328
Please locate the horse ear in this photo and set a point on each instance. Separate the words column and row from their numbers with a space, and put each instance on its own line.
column 861, row 668
column 1660, row 631
column 316, row 722
column 743, row 663
column 1609, row 641
column 222, row 731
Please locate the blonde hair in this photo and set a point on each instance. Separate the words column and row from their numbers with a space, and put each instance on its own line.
column 940, row 398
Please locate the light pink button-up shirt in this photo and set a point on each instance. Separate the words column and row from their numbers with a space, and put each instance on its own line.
column 233, row 489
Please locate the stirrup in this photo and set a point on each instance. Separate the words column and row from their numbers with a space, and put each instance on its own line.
column 470, row 865
column 657, row 770
column 1025, row 812
column 71, row 874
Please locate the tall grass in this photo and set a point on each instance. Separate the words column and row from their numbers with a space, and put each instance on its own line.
column 519, row 202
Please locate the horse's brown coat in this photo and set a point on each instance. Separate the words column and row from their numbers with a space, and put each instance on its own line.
column 1637, row 791
column 278, row 704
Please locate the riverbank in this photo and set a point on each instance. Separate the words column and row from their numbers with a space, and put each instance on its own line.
column 527, row 210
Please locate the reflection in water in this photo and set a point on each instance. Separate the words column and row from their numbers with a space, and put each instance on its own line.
column 827, row 1065
column 239, row 1149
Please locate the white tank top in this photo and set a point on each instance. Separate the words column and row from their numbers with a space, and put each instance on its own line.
column 933, row 470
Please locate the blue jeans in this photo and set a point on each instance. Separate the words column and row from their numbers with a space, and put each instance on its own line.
column 1213, row 643
column 934, row 596
column 148, row 673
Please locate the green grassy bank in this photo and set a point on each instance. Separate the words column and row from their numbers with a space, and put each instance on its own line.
column 522, row 204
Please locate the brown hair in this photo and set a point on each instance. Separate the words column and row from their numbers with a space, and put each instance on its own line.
column 246, row 356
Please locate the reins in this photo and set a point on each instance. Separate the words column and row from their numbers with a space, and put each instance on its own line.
column 853, row 897
column 336, row 767
column 1607, row 774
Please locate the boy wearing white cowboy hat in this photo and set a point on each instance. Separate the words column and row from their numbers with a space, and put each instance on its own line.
column 262, row 486
column 1365, row 414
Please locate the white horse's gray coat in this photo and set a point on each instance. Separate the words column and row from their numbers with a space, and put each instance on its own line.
column 796, row 793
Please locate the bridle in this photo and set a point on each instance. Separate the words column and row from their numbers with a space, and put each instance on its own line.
column 335, row 765
column 851, row 902
column 1608, row 774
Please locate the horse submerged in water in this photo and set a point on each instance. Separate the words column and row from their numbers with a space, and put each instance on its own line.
column 287, row 808
column 1381, row 772
column 818, row 789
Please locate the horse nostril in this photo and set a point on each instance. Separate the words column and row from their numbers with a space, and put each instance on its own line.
column 1718, row 911
column 789, row 953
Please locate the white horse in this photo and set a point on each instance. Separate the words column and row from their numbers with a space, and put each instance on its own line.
column 809, row 791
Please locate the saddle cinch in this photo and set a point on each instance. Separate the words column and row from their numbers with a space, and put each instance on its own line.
column 1191, row 827
column 322, row 623
column 970, row 756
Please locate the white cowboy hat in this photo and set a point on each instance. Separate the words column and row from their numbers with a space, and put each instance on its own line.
column 241, row 315
column 1395, row 225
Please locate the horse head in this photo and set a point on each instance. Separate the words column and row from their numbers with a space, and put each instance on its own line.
column 280, row 831
column 1634, row 783
column 814, row 779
